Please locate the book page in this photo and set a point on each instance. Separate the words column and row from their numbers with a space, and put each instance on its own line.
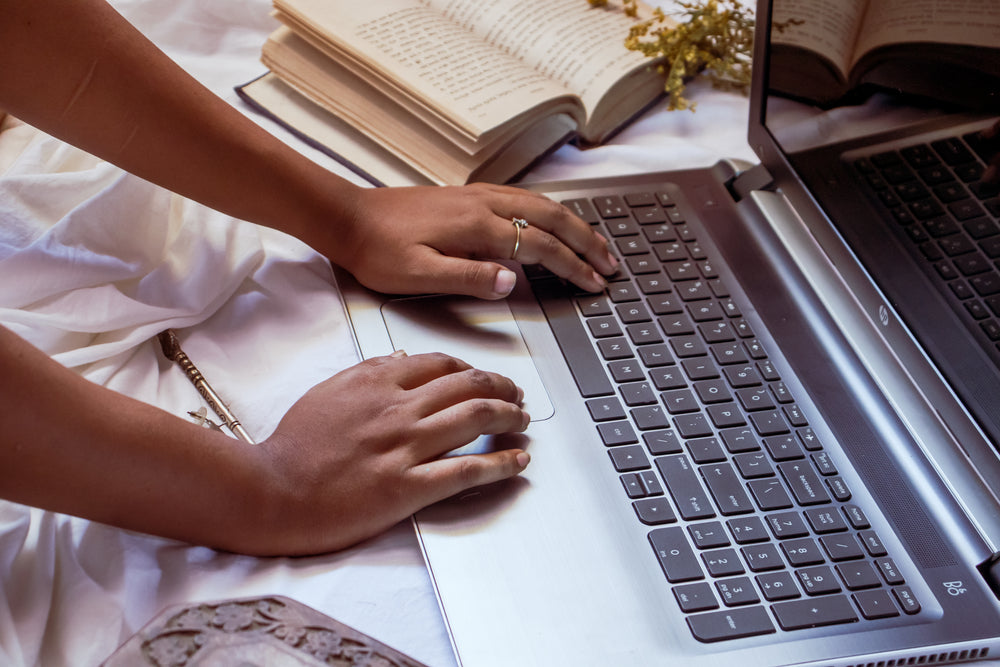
column 576, row 44
column 971, row 22
column 827, row 28
column 428, row 57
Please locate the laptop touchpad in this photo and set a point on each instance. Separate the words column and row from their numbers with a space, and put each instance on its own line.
column 481, row 333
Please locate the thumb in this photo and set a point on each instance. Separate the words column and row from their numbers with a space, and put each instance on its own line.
column 482, row 279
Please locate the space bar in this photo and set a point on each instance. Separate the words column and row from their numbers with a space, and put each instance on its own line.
column 573, row 339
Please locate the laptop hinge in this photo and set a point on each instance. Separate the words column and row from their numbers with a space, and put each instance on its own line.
column 745, row 182
column 991, row 572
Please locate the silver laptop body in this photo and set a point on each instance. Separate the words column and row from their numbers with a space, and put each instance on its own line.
column 595, row 557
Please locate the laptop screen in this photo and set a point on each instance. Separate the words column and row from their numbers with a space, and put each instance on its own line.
column 840, row 70
column 876, row 116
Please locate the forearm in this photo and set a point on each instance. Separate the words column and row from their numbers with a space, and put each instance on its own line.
column 356, row 454
column 71, row 446
column 78, row 70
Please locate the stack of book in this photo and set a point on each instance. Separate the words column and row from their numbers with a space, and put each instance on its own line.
column 452, row 91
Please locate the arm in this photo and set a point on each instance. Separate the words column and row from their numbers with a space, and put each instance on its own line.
column 72, row 446
column 359, row 451
column 79, row 71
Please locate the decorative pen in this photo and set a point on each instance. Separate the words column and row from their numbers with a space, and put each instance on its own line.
column 172, row 350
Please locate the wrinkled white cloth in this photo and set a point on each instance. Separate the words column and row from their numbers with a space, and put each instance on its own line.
column 95, row 262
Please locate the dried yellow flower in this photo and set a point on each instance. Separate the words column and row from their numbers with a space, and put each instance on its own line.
column 713, row 38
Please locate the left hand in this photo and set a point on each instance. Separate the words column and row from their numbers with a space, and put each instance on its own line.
column 442, row 239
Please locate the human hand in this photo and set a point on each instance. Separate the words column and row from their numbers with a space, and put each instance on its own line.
column 364, row 450
column 441, row 239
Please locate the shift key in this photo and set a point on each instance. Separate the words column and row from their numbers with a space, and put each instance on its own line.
column 574, row 341
column 684, row 487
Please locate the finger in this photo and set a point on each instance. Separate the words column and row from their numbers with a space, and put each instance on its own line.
column 458, row 425
column 536, row 246
column 553, row 218
column 410, row 372
column 437, row 272
column 443, row 478
column 449, row 390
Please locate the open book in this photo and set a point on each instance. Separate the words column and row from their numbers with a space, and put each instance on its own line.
column 464, row 90
column 834, row 50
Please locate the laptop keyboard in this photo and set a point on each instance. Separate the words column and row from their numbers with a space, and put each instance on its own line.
column 949, row 217
column 747, row 515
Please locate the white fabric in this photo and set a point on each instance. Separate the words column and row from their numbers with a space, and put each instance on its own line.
column 94, row 262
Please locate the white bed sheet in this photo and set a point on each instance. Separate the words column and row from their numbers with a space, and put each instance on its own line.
column 94, row 262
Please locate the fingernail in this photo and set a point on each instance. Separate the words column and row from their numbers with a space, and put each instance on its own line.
column 398, row 354
column 520, row 396
column 504, row 282
column 526, row 420
column 522, row 459
column 600, row 281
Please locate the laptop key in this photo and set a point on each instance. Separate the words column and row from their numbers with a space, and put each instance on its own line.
column 695, row 597
column 786, row 525
column 584, row 364
column 952, row 150
column 802, row 552
column 654, row 511
column 814, row 612
column 663, row 441
column 737, row 591
column 804, row 483
column 763, row 557
column 649, row 417
column 770, row 494
column 904, row 596
column 676, row 557
column 730, row 624
column 778, row 586
column 748, row 529
column 617, row 433
column 583, row 209
column 684, row 487
column 605, row 409
column 818, row 580
column 753, row 465
column 727, row 489
column 858, row 575
column 629, row 458
column 839, row 489
column 875, row 604
column 889, row 571
column 709, row 535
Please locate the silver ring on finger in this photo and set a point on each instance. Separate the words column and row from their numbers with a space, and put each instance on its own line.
column 519, row 224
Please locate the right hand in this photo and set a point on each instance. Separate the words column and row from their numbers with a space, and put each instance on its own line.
column 363, row 450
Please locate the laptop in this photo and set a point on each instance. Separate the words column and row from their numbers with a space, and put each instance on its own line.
column 774, row 439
